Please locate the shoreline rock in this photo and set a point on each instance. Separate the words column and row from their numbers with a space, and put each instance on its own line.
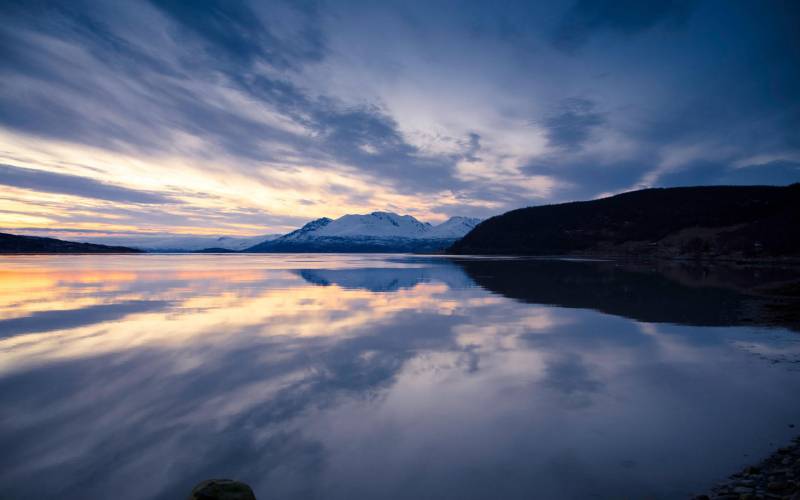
column 775, row 478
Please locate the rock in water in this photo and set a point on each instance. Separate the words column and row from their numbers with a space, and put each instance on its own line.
column 222, row 489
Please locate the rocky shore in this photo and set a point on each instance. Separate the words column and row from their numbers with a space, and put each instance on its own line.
column 775, row 478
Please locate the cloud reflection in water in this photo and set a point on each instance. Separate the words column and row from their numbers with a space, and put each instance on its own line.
column 374, row 377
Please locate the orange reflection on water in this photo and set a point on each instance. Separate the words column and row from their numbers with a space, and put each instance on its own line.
column 27, row 291
column 86, row 311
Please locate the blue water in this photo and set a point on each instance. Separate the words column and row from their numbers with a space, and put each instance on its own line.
column 380, row 377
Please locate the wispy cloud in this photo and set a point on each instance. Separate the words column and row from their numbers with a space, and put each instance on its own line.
column 256, row 115
column 51, row 182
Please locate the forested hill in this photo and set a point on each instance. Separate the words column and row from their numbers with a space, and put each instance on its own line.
column 12, row 243
column 711, row 221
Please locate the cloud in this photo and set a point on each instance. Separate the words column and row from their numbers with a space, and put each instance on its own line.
column 368, row 139
column 51, row 182
column 473, row 147
column 284, row 111
column 778, row 172
column 233, row 31
column 572, row 124
column 586, row 176
column 219, row 74
column 625, row 17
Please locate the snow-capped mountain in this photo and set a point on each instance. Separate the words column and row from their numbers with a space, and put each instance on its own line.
column 382, row 225
column 454, row 227
column 374, row 232
column 376, row 224
column 167, row 243
column 309, row 230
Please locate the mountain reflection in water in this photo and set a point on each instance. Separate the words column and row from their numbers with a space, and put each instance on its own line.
column 374, row 376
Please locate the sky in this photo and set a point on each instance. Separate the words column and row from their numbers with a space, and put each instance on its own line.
column 229, row 117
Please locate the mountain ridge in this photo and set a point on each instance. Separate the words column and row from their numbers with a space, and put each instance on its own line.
column 686, row 222
column 14, row 243
column 377, row 231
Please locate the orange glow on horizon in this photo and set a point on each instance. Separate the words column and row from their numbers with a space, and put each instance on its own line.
column 208, row 199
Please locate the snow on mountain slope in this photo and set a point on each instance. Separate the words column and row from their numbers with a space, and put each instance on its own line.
column 376, row 225
column 454, row 227
column 375, row 232
column 381, row 225
column 308, row 231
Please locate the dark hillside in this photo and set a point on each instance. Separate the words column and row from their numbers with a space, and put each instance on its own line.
column 714, row 221
column 12, row 243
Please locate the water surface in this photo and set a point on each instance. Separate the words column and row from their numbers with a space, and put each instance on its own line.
column 374, row 376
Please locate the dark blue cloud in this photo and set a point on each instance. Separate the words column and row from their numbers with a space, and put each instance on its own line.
column 473, row 147
column 625, row 17
column 369, row 139
column 572, row 124
column 231, row 31
column 50, row 182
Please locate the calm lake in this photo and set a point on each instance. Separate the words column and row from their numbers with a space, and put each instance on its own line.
column 382, row 377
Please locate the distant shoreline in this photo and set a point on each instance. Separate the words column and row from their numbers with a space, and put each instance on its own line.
column 632, row 258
